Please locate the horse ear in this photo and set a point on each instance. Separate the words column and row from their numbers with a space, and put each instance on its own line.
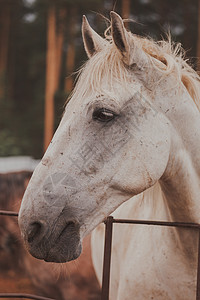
column 93, row 42
column 123, row 40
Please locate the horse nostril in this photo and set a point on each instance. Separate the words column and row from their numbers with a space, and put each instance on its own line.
column 70, row 224
column 34, row 230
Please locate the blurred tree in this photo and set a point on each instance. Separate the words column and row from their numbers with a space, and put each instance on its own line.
column 198, row 39
column 126, row 10
column 5, row 18
column 51, row 74
column 62, row 14
column 71, row 49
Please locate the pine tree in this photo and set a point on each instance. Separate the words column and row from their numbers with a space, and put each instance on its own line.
column 126, row 10
column 5, row 19
column 70, row 55
column 198, row 40
column 51, row 72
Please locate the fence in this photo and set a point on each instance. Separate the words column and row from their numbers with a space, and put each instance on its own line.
column 108, row 244
column 23, row 296
column 107, row 253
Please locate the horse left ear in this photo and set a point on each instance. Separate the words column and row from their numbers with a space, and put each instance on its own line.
column 93, row 42
column 124, row 41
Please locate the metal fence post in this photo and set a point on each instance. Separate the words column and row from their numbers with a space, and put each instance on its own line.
column 198, row 269
column 107, row 259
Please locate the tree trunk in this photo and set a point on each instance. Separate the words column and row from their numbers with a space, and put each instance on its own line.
column 59, row 42
column 70, row 58
column 126, row 10
column 198, row 40
column 4, row 46
column 51, row 71
column 188, row 22
column 70, row 62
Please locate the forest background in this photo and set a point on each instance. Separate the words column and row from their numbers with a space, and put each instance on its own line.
column 41, row 46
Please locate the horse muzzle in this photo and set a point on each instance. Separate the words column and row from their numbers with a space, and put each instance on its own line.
column 59, row 242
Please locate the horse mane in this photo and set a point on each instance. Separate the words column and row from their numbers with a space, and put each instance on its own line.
column 108, row 64
column 172, row 55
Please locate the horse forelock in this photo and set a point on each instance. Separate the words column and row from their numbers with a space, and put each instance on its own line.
column 105, row 65
column 108, row 65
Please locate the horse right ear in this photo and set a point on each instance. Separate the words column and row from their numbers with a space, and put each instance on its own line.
column 93, row 42
column 130, row 51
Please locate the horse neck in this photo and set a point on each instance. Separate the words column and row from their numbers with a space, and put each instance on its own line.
column 181, row 180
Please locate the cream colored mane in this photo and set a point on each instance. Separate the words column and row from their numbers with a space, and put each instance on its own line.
column 108, row 64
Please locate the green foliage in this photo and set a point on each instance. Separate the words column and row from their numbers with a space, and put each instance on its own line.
column 9, row 145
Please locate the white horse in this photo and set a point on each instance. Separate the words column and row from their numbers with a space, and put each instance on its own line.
column 130, row 132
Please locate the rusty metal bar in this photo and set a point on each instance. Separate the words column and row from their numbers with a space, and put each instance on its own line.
column 8, row 213
column 198, row 272
column 108, row 242
column 158, row 223
column 23, row 296
column 107, row 259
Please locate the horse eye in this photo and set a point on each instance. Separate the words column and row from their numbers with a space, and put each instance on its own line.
column 103, row 115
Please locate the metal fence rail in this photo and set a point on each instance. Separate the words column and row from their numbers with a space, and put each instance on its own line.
column 23, row 296
column 8, row 213
column 108, row 247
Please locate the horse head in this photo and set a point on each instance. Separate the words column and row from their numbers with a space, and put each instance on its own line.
column 113, row 142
